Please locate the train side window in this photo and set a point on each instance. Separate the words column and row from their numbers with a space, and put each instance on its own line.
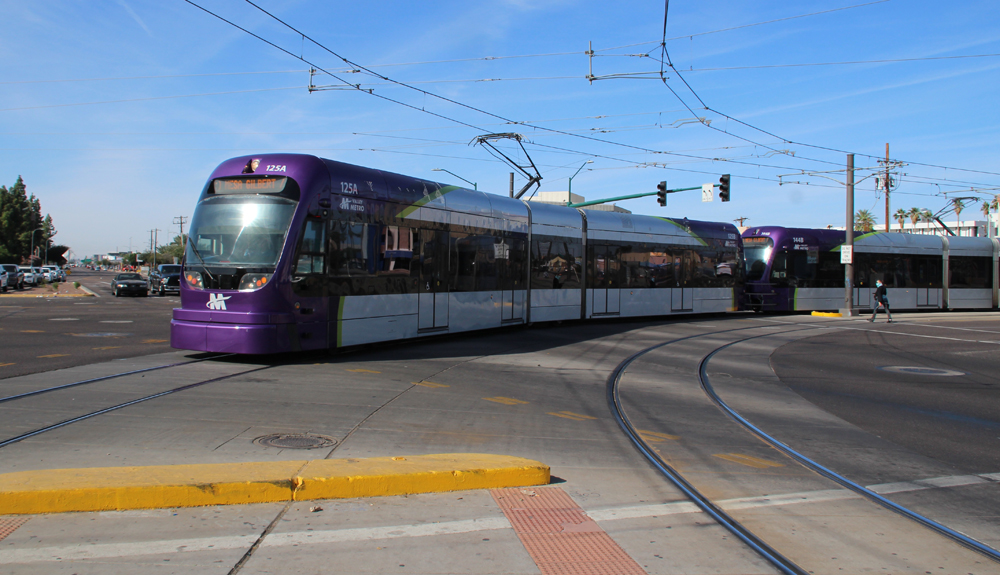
column 311, row 256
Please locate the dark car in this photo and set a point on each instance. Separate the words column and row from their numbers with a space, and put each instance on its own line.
column 15, row 277
column 165, row 279
column 129, row 284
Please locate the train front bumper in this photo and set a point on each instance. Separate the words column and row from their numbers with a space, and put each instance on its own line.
column 229, row 332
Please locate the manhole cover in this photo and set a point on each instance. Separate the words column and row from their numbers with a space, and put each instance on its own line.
column 914, row 370
column 295, row 441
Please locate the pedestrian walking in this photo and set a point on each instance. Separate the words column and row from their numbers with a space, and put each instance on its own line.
column 881, row 301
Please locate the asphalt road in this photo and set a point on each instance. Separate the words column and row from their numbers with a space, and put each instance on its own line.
column 40, row 334
column 927, row 383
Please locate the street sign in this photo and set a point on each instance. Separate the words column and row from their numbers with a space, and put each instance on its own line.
column 847, row 254
column 707, row 192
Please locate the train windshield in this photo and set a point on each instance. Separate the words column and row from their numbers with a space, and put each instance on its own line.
column 757, row 253
column 245, row 231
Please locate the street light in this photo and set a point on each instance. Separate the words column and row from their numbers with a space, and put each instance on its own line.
column 474, row 187
column 31, row 256
column 570, row 191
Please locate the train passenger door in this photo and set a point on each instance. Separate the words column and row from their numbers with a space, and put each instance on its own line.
column 681, row 297
column 511, row 253
column 432, row 295
column 605, row 268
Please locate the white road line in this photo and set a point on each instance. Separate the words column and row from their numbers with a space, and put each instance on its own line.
column 295, row 538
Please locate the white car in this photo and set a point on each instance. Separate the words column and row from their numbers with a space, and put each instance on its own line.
column 29, row 275
column 3, row 279
column 52, row 272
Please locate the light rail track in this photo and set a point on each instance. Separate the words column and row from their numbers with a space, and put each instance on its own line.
column 106, row 377
column 770, row 554
column 65, row 422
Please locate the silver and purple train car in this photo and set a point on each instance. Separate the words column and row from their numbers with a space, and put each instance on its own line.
column 794, row 269
column 293, row 252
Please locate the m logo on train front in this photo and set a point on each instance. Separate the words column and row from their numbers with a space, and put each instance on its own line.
column 217, row 301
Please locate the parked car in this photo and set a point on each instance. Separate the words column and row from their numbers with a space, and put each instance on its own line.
column 51, row 273
column 15, row 277
column 29, row 275
column 3, row 280
column 129, row 284
column 166, row 278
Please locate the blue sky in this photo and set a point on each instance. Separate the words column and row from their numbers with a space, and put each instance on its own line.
column 116, row 111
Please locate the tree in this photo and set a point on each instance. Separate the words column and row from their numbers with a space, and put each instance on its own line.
column 173, row 251
column 20, row 218
column 864, row 221
column 927, row 216
column 914, row 214
column 959, row 206
column 900, row 217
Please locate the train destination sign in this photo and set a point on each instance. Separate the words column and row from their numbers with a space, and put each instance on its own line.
column 253, row 185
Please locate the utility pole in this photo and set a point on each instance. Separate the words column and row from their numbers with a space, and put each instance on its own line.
column 180, row 220
column 740, row 221
column 848, row 258
column 512, row 184
column 887, row 186
column 154, row 237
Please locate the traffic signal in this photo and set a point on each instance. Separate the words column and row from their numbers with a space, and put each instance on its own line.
column 724, row 188
column 661, row 193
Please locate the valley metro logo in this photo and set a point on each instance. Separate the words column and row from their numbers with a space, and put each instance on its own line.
column 217, row 301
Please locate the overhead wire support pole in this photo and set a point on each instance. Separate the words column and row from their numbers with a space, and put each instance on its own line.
column 533, row 179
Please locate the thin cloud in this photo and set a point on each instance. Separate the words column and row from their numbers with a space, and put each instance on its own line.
column 135, row 17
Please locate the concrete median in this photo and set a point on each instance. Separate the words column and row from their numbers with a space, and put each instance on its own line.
column 121, row 488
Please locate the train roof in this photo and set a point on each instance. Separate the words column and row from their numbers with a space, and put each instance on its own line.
column 881, row 242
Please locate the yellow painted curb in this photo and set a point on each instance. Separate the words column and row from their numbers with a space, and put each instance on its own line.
column 827, row 314
column 6, row 295
column 164, row 486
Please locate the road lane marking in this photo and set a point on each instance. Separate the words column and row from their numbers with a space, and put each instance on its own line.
column 571, row 415
column 53, row 355
column 32, row 331
column 107, row 347
column 363, row 371
column 116, row 321
column 6, row 364
column 506, row 400
column 430, row 384
column 176, row 547
column 64, row 319
column 153, row 340
column 656, row 437
column 748, row 460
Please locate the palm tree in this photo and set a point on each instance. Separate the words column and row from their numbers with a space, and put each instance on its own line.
column 864, row 221
column 900, row 217
column 926, row 215
column 959, row 206
column 914, row 214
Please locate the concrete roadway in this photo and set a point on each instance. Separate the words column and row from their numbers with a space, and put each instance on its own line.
column 537, row 393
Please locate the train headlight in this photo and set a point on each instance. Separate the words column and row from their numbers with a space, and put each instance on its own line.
column 194, row 280
column 250, row 282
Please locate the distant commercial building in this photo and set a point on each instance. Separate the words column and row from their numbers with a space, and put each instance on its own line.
column 563, row 198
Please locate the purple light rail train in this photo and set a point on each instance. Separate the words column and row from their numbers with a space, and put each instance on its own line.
column 292, row 252
column 791, row 269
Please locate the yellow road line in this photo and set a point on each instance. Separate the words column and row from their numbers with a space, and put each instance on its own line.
column 363, row 371
column 656, row 437
column 6, row 364
column 571, row 415
column 430, row 384
column 153, row 340
column 53, row 355
column 107, row 347
column 506, row 400
column 32, row 331
column 748, row 460
column 166, row 486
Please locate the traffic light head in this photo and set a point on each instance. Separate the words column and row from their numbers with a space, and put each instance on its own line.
column 661, row 193
column 724, row 188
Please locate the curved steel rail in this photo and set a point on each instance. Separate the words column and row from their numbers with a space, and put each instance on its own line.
column 781, row 562
column 829, row 474
column 66, row 422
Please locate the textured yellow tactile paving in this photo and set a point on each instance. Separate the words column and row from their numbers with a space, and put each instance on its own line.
column 119, row 488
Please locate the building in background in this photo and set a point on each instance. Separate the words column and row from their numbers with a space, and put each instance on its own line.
column 563, row 198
